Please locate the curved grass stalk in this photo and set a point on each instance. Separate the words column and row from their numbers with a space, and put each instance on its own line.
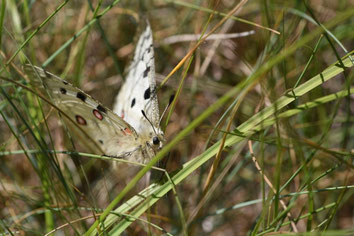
column 246, row 129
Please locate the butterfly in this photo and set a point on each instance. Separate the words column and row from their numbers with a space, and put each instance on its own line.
column 131, row 131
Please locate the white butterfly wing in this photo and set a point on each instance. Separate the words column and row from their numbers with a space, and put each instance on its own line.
column 139, row 90
column 95, row 125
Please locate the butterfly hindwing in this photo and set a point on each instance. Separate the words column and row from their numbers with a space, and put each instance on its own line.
column 139, row 90
column 94, row 124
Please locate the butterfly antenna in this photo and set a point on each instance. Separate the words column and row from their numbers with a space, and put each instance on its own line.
column 142, row 111
column 169, row 104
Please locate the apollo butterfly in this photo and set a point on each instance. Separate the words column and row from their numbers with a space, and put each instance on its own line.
column 132, row 131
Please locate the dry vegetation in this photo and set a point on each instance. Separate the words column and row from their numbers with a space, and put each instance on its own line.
column 285, row 172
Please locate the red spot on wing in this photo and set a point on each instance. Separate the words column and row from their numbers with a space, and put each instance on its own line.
column 97, row 114
column 126, row 132
column 80, row 120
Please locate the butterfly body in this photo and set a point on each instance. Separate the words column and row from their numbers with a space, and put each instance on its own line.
column 132, row 131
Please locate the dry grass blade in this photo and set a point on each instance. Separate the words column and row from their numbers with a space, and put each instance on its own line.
column 258, row 139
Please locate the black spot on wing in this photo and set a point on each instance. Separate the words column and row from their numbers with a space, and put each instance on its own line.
column 147, row 93
column 63, row 91
column 100, row 141
column 146, row 71
column 64, row 82
column 81, row 96
column 101, row 108
column 133, row 102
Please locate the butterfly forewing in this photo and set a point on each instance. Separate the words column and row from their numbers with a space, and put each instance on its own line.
column 93, row 124
column 139, row 90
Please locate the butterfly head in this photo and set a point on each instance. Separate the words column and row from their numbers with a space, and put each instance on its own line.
column 153, row 143
column 158, row 140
